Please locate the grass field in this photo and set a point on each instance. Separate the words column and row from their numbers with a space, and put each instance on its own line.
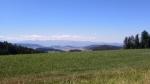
column 103, row 67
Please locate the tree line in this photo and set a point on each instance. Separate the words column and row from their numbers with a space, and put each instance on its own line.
column 8, row 48
column 138, row 41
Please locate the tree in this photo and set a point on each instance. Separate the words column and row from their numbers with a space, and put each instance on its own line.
column 149, row 41
column 145, row 39
column 126, row 43
column 129, row 42
column 137, row 41
column 132, row 42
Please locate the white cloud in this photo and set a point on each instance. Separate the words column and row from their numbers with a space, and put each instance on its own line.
column 51, row 37
column 95, row 38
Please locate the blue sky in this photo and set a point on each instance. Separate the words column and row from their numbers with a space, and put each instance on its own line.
column 93, row 20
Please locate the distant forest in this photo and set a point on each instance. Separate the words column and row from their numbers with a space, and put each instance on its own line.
column 8, row 48
column 137, row 41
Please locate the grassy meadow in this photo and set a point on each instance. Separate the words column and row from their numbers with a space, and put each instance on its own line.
column 100, row 67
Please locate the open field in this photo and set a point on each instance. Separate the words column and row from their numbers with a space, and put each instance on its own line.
column 103, row 67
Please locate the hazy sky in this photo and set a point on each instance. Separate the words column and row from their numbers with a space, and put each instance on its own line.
column 93, row 20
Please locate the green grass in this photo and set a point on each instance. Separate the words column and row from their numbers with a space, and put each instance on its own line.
column 103, row 67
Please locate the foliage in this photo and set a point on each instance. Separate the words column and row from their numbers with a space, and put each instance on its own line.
column 132, row 42
column 8, row 48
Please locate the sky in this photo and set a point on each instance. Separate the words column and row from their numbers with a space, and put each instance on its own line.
column 81, row 20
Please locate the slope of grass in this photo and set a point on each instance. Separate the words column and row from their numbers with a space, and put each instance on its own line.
column 104, row 67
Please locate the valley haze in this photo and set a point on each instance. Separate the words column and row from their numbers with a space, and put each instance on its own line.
column 63, row 45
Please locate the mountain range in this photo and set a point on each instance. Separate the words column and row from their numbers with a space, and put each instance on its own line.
column 64, row 45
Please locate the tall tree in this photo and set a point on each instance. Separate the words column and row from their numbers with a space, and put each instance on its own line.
column 137, row 41
column 132, row 42
column 145, row 39
column 129, row 43
column 149, row 41
column 126, row 43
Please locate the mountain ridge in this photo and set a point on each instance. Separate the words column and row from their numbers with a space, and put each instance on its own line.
column 49, row 43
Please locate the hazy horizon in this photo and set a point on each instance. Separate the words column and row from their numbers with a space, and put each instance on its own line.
column 73, row 20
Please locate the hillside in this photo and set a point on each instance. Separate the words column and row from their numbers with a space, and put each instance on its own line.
column 102, row 67
column 102, row 47
column 48, row 49
column 9, row 48
column 33, row 46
